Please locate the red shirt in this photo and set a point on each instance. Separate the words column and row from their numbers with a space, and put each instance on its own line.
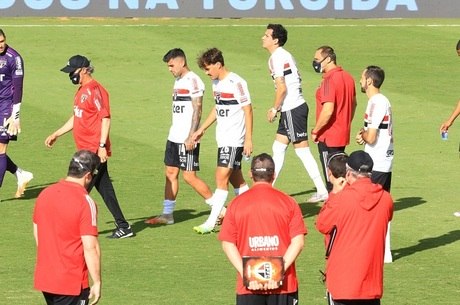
column 63, row 213
column 90, row 106
column 337, row 87
column 260, row 212
column 361, row 212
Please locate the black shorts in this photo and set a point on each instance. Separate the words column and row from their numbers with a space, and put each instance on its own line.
column 230, row 157
column 384, row 179
column 293, row 124
column 177, row 156
column 267, row 299
column 58, row 299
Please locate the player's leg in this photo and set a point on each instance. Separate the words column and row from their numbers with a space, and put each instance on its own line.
column 3, row 159
column 23, row 177
column 104, row 186
column 280, row 145
column 189, row 173
column 237, row 181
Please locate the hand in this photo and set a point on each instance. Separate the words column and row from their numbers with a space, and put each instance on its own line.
column 271, row 115
column 247, row 148
column 269, row 285
column 13, row 126
column 444, row 126
column 314, row 137
column 102, row 153
column 190, row 144
column 359, row 137
column 50, row 140
column 95, row 293
column 196, row 136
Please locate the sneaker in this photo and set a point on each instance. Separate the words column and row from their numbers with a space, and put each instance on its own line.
column 457, row 214
column 202, row 229
column 163, row 219
column 318, row 198
column 24, row 178
column 120, row 233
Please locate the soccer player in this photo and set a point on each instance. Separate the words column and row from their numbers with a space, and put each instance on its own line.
column 181, row 151
column 335, row 106
column 233, row 114
column 377, row 134
column 90, row 124
column 289, row 101
column 264, row 222
column 65, row 231
column 11, row 85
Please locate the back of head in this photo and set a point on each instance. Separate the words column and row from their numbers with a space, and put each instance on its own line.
column 83, row 162
column 263, row 168
column 337, row 164
column 174, row 53
column 279, row 32
column 376, row 74
column 328, row 51
column 360, row 164
column 210, row 57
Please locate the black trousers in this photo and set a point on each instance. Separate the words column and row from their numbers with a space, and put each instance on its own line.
column 324, row 153
column 104, row 186
column 58, row 299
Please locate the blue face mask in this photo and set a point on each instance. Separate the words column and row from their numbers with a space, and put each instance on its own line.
column 317, row 65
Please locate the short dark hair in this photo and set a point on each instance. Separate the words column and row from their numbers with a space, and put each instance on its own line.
column 458, row 45
column 376, row 74
column 83, row 162
column 2, row 33
column 263, row 168
column 328, row 51
column 279, row 32
column 174, row 53
column 337, row 164
column 210, row 57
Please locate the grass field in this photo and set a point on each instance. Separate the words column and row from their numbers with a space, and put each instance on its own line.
column 173, row 265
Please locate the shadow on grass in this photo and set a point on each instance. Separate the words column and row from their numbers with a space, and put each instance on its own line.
column 138, row 225
column 31, row 192
column 308, row 209
column 427, row 243
column 408, row 202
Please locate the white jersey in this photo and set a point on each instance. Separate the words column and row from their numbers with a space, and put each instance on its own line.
column 230, row 95
column 282, row 64
column 185, row 89
column 378, row 116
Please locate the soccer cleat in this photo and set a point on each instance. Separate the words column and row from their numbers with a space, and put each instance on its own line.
column 318, row 198
column 163, row 219
column 457, row 214
column 120, row 233
column 24, row 178
column 203, row 229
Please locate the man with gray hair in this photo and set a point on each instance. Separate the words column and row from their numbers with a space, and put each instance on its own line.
column 360, row 214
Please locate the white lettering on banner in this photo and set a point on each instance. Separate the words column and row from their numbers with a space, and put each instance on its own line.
column 149, row 4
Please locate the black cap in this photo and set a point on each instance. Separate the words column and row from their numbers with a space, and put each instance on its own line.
column 360, row 161
column 76, row 62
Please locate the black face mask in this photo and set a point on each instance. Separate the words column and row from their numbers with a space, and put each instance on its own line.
column 74, row 78
column 317, row 65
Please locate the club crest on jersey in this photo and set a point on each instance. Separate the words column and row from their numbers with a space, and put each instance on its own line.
column 3, row 63
column 83, row 98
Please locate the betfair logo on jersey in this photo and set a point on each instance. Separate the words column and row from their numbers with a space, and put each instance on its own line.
column 222, row 112
column 178, row 108
column 264, row 243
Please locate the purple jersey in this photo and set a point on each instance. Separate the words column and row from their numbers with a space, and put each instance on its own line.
column 11, row 80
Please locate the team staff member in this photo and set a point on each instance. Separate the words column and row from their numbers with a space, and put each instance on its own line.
column 360, row 214
column 11, row 86
column 335, row 106
column 181, row 151
column 233, row 113
column 91, row 124
column 289, row 101
column 264, row 212
column 377, row 134
column 65, row 231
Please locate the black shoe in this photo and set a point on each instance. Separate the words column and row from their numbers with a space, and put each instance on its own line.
column 120, row 233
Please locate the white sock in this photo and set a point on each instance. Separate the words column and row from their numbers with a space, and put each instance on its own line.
column 168, row 206
column 388, row 256
column 219, row 198
column 279, row 151
column 312, row 168
column 209, row 201
column 241, row 190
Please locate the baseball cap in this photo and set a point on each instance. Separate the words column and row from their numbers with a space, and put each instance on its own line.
column 360, row 161
column 76, row 62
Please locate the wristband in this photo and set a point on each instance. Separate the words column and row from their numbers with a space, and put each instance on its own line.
column 102, row 145
column 16, row 108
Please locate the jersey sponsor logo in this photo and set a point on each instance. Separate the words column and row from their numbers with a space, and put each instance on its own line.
column 3, row 63
column 178, row 108
column 222, row 112
column 77, row 112
column 264, row 243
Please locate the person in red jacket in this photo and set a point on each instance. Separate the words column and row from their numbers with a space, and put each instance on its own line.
column 360, row 214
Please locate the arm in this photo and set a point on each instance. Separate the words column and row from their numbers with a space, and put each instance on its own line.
column 248, row 121
column 105, row 129
column 92, row 254
column 233, row 256
column 197, row 103
column 293, row 251
column 17, row 74
column 445, row 126
column 51, row 139
column 208, row 122
column 323, row 118
column 36, row 234
column 280, row 94
column 368, row 136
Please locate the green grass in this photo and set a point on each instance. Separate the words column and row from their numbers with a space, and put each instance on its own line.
column 173, row 265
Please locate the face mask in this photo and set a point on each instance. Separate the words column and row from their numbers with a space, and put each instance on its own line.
column 74, row 78
column 317, row 65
